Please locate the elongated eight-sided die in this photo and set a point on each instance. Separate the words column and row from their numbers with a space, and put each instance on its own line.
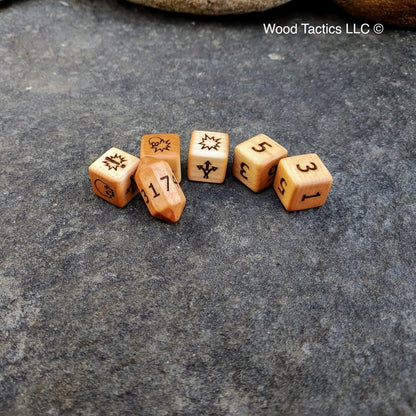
column 160, row 189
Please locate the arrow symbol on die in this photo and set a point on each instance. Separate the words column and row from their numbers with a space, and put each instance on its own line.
column 207, row 168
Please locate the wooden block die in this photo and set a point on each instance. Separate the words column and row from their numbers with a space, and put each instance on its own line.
column 302, row 182
column 160, row 189
column 112, row 176
column 255, row 161
column 165, row 147
column 208, row 156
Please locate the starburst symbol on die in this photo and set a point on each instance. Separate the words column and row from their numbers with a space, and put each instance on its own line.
column 159, row 145
column 115, row 162
column 210, row 143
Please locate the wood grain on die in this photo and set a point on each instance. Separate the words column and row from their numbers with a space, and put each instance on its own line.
column 255, row 161
column 163, row 146
column 208, row 156
column 160, row 189
column 112, row 176
column 302, row 182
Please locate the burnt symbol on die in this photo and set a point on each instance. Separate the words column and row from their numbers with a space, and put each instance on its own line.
column 104, row 189
column 207, row 167
column 210, row 143
column 133, row 187
column 158, row 144
column 115, row 162
column 307, row 168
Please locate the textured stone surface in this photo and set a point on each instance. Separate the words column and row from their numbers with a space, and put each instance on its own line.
column 240, row 308
column 215, row 7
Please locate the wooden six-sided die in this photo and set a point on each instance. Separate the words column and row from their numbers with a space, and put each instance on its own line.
column 112, row 176
column 255, row 161
column 208, row 156
column 160, row 189
column 302, row 182
column 164, row 147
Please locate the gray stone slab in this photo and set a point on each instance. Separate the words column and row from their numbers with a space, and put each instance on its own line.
column 241, row 308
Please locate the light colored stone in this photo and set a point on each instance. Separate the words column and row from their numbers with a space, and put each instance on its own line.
column 215, row 7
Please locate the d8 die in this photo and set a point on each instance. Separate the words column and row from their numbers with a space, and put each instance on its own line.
column 208, row 156
column 164, row 147
column 302, row 182
column 112, row 176
column 160, row 189
column 255, row 161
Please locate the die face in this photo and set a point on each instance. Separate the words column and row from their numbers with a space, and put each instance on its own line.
column 163, row 146
column 255, row 161
column 302, row 182
column 208, row 156
column 160, row 190
column 112, row 176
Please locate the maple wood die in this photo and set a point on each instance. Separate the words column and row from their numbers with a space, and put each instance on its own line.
column 255, row 161
column 302, row 182
column 165, row 147
column 160, row 189
column 208, row 156
column 112, row 176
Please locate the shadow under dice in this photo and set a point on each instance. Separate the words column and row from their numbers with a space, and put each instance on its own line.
column 302, row 182
column 208, row 156
column 112, row 176
column 160, row 189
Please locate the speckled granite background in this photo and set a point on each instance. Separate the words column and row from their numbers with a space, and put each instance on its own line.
column 241, row 308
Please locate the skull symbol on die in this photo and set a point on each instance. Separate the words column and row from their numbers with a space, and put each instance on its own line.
column 158, row 144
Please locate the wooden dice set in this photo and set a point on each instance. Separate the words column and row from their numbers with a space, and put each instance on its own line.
column 300, row 182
